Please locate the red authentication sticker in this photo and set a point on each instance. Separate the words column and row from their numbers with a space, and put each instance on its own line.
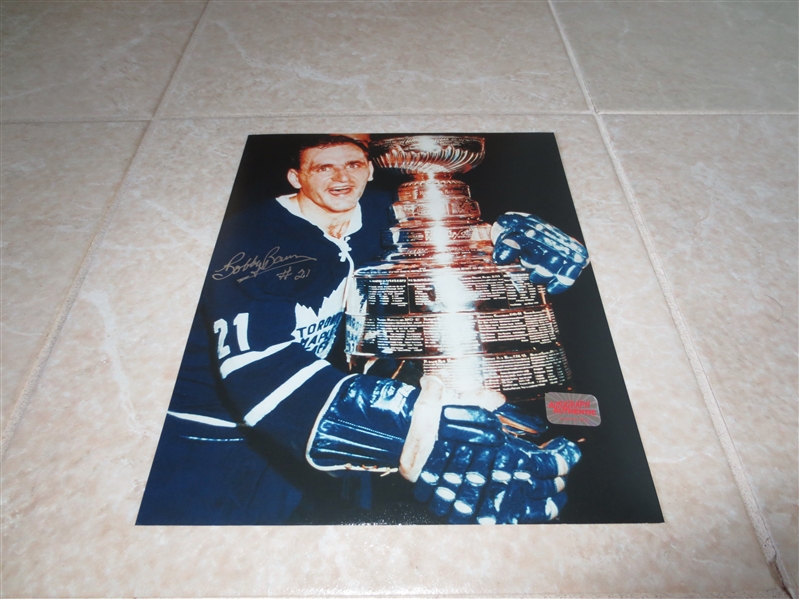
column 572, row 408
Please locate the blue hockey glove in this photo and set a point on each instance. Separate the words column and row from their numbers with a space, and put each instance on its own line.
column 364, row 425
column 553, row 258
column 479, row 472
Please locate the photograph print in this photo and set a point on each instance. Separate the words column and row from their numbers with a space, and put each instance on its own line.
column 399, row 329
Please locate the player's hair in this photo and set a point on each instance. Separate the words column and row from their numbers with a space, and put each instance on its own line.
column 324, row 141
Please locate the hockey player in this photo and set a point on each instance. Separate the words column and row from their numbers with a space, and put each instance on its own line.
column 259, row 413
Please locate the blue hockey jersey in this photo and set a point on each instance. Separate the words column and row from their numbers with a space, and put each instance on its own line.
column 255, row 373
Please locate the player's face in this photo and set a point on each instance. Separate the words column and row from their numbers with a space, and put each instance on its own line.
column 333, row 178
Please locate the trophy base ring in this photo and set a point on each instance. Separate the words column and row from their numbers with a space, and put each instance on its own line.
column 517, row 376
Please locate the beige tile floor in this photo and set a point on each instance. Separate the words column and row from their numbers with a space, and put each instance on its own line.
column 122, row 127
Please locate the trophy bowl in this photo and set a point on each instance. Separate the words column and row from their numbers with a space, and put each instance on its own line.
column 429, row 154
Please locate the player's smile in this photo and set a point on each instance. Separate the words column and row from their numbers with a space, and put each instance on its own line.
column 341, row 189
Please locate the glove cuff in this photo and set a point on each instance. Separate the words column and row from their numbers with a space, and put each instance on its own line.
column 363, row 425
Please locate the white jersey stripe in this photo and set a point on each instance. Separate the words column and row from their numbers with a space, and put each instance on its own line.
column 234, row 363
column 271, row 401
column 203, row 419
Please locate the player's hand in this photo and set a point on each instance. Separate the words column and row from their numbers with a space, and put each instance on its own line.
column 478, row 472
column 425, row 422
column 553, row 258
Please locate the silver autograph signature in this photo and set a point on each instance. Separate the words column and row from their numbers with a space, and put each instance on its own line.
column 253, row 266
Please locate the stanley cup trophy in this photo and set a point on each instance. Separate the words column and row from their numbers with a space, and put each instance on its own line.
column 438, row 304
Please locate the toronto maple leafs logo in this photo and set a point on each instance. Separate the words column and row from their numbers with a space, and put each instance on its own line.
column 316, row 331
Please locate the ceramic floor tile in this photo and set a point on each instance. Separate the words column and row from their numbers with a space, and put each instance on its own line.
column 686, row 55
column 57, row 180
column 71, row 492
column 253, row 58
column 719, row 198
column 90, row 59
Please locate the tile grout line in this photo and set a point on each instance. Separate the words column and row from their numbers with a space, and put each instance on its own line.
column 289, row 114
column 698, row 112
column 77, row 119
column 748, row 496
column 768, row 594
column 379, row 113
column 188, row 50
column 35, row 372
column 745, row 489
